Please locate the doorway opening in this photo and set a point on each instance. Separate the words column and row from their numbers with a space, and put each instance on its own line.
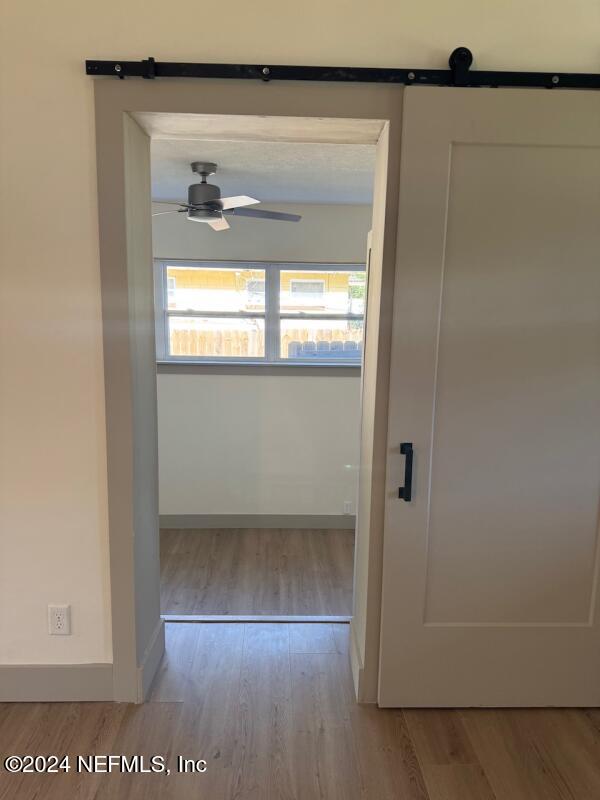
column 260, row 302
column 129, row 117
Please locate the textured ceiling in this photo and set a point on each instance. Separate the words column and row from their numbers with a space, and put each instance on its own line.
column 280, row 171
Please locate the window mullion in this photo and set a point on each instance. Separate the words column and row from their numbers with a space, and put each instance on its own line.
column 303, row 315
column 272, row 312
column 217, row 314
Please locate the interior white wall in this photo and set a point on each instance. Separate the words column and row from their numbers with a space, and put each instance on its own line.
column 53, row 505
column 261, row 443
column 257, row 444
column 336, row 233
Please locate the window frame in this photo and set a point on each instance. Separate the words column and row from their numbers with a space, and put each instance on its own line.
column 271, row 314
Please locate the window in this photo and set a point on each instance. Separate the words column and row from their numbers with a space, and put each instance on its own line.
column 265, row 313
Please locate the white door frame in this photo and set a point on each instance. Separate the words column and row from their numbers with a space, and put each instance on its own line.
column 128, row 337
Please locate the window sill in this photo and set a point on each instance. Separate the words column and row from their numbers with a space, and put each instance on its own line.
column 256, row 368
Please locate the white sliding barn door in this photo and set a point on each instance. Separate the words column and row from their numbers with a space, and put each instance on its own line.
column 490, row 571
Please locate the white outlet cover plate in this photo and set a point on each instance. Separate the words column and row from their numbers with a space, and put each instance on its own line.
column 59, row 620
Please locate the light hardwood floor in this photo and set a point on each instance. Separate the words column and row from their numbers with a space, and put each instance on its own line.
column 270, row 708
column 257, row 571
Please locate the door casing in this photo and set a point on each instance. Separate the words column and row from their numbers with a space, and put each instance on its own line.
column 131, row 433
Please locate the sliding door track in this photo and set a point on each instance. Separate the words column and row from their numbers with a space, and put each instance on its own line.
column 459, row 73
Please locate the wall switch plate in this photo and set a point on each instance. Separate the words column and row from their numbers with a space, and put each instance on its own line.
column 59, row 620
column 347, row 506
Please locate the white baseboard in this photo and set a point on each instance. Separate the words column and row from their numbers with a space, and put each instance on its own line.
column 51, row 683
column 298, row 521
column 150, row 661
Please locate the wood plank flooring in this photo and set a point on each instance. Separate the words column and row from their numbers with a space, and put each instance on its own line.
column 257, row 571
column 271, row 709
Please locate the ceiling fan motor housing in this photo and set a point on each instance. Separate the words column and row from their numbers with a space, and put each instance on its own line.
column 201, row 193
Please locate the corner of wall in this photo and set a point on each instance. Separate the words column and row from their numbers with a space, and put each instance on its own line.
column 151, row 661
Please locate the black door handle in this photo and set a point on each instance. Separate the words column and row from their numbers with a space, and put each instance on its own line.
column 405, row 492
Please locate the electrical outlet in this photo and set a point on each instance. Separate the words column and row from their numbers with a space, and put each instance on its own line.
column 59, row 620
column 347, row 506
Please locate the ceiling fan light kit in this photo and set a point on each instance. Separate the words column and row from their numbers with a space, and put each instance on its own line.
column 205, row 203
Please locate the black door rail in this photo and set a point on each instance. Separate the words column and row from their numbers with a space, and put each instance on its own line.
column 459, row 74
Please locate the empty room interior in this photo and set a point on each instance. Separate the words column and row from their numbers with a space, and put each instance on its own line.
column 259, row 352
column 300, row 401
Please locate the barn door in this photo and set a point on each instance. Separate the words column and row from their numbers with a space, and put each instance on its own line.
column 490, row 568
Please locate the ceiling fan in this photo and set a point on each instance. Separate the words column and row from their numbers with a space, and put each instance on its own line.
column 205, row 203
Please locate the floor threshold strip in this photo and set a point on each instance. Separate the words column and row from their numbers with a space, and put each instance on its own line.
column 255, row 618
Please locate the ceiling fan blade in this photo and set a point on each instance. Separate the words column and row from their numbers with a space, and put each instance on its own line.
column 218, row 224
column 175, row 211
column 264, row 214
column 170, row 202
column 236, row 202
